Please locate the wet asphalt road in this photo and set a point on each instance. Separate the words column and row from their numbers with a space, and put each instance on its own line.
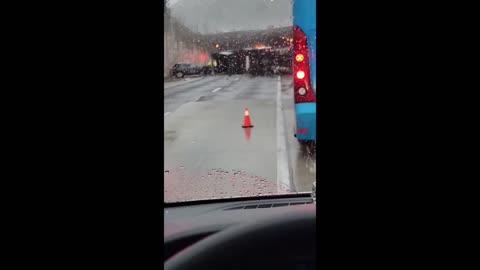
column 203, row 118
column 302, row 159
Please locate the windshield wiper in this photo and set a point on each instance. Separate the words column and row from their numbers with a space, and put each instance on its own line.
column 239, row 198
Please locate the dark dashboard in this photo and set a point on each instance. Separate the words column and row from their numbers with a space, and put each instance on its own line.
column 186, row 225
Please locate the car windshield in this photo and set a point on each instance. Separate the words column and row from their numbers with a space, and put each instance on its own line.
column 239, row 98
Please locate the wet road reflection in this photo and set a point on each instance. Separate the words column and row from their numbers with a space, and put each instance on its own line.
column 205, row 133
column 302, row 156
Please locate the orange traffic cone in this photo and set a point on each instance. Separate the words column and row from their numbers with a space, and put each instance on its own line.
column 246, row 120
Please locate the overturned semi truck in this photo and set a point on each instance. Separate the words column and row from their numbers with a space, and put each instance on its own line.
column 257, row 62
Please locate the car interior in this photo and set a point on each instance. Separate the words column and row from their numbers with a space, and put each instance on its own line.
column 275, row 232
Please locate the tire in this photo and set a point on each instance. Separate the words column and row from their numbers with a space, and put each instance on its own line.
column 308, row 147
column 304, row 143
column 180, row 74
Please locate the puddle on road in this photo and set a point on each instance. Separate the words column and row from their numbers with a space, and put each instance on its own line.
column 248, row 133
column 305, row 170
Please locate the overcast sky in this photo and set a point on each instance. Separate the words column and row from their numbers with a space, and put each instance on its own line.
column 210, row 16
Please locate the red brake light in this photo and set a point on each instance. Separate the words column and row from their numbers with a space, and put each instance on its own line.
column 301, row 78
column 300, row 75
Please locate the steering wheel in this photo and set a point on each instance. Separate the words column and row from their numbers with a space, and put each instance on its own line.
column 283, row 235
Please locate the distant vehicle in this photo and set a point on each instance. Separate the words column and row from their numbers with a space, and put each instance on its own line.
column 229, row 62
column 261, row 61
column 284, row 70
column 284, row 60
column 304, row 69
column 181, row 69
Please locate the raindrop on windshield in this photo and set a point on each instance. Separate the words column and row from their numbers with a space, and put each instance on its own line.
column 167, row 171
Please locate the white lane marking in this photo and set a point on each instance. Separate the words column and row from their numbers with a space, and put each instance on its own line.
column 197, row 99
column 172, row 84
column 236, row 79
column 283, row 167
column 216, row 89
column 165, row 114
